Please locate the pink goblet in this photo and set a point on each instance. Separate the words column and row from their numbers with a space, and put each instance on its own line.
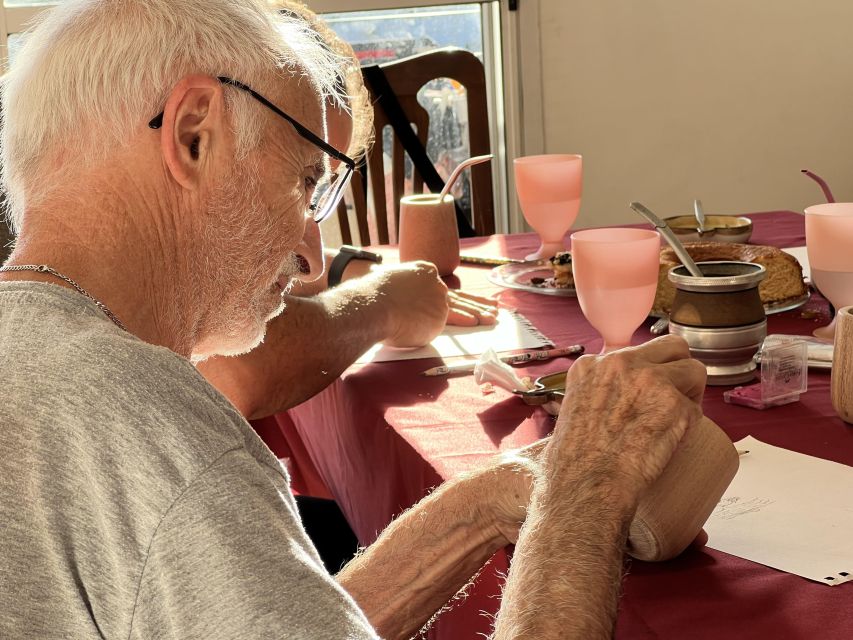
column 549, row 191
column 829, row 240
column 616, row 275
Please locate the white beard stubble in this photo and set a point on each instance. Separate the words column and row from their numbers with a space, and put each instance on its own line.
column 240, row 262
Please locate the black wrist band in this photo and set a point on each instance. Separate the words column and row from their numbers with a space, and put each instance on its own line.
column 340, row 262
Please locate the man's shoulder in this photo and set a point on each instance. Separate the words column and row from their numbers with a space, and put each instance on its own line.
column 115, row 363
column 102, row 434
column 71, row 369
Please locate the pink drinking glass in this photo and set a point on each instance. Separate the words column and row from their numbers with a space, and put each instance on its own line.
column 549, row 191
column 616, row 275
column 829, row 240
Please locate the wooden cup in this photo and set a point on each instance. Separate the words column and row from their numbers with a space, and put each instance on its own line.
column 674, row 509
column 842, row 365
column 428, row 231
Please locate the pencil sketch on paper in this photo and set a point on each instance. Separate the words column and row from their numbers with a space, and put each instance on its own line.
column 734, row 506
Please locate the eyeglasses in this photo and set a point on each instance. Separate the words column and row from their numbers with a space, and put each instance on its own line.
column 328, row 193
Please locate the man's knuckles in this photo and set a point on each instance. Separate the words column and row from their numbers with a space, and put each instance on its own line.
column 676, row 346
column 668, row 348
column 697, row 372
column 427, row 269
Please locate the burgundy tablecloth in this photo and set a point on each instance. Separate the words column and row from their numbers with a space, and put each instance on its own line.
column 382, row 436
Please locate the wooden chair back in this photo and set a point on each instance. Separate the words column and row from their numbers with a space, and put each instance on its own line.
column 406, row 77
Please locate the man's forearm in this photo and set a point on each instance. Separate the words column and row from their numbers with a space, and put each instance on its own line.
column 305, row 349
column 567, row 568
column 424, row 558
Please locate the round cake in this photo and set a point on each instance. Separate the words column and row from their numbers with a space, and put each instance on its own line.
column 782, row 283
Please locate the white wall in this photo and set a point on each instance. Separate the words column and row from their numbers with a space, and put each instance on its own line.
column 725, row 100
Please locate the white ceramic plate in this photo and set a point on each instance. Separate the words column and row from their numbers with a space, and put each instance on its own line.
column 519, row 276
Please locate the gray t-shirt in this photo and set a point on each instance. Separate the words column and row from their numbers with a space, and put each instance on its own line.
column 135, row 502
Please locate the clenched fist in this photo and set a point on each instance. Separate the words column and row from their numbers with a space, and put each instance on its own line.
column 623, row 415
column 414, row 300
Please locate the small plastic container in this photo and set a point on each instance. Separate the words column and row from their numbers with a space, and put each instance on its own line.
column 784, row 377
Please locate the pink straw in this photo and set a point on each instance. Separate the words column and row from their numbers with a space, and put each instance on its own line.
column 824, row 187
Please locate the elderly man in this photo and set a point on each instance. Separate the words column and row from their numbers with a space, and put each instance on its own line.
column 159, row 158
column 324, row 330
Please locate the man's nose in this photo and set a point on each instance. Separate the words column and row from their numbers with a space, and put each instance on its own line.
column 311, row 250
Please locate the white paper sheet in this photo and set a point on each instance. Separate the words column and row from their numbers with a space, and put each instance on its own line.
column 802, row 256
column 512, row 331
column 788, row 511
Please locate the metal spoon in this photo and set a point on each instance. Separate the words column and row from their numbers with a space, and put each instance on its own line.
column 659, row 327
column 674, row 242
column 700, row 216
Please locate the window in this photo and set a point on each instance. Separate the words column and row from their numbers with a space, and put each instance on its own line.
column 379, row 33
column 380, row 36
column 386, row 35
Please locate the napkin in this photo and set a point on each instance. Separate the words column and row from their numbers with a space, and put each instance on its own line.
column 819, row 351
column 490, row 369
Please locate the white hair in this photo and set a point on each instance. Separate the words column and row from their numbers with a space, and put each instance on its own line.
column 93, row 72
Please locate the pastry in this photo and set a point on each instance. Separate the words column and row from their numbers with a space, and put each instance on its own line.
column 562, row 266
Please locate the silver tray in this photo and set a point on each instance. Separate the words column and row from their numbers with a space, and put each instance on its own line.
column 787, row 305
column 518, row 276
column 769, row 309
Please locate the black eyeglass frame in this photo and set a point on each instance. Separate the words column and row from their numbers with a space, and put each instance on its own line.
column 337, row 187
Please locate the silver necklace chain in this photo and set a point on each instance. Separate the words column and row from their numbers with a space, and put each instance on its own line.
column 43, row 268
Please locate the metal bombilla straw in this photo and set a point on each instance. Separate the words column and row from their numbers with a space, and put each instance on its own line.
column 673, row 241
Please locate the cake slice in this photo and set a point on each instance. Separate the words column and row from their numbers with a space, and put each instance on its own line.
column 561, row 263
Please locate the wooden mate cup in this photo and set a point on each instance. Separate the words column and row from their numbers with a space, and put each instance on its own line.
column 842, row 365
column 428, row 231
column 721, row 317
column 674, row 509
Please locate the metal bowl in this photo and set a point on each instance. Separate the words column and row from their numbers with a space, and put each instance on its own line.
column 735, row 229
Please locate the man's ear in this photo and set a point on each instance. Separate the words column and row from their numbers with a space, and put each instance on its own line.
column 194, row 128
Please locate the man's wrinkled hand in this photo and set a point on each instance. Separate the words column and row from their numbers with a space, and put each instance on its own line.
column 624, row 413
column 512, row 475
column 415, row 301
column 468, row 310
